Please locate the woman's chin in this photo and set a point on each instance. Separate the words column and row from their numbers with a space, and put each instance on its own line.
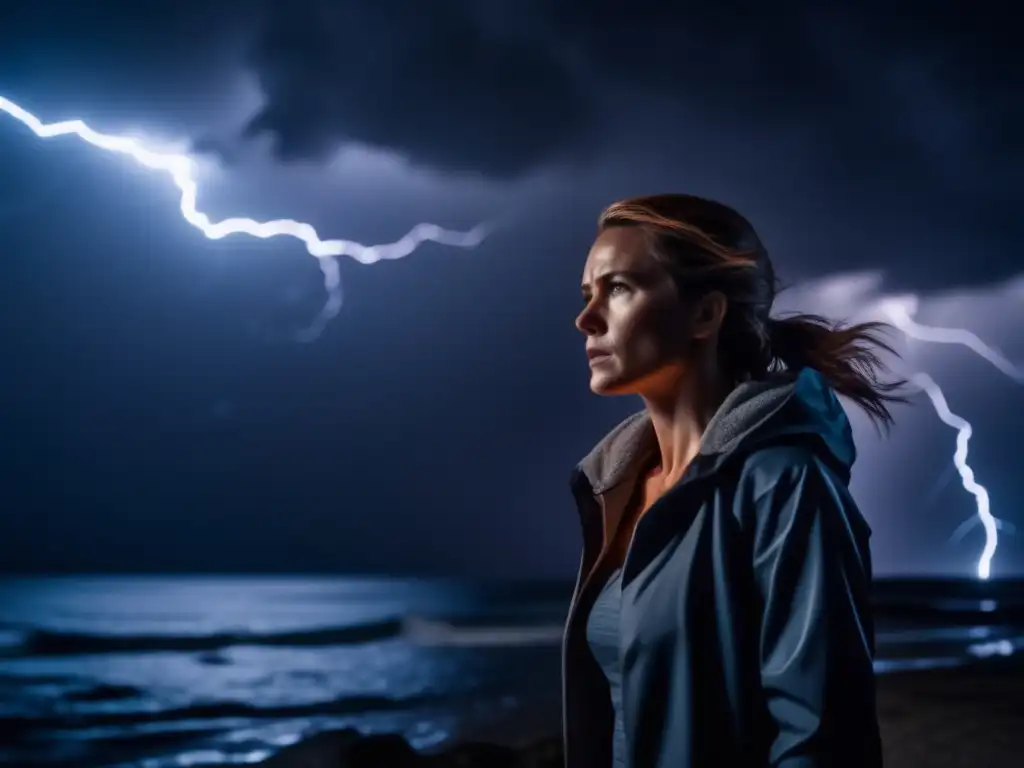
column 607, row 384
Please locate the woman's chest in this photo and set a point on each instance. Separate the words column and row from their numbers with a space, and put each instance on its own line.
column 686, row 565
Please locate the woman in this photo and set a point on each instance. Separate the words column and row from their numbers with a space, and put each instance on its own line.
column 721, row 615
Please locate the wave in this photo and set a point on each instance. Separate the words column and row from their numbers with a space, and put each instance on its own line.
column 441, row 633
column 415, row 629
column 45, row 642
column 18, row 726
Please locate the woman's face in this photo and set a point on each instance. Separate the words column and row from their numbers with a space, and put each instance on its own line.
column 638, row 332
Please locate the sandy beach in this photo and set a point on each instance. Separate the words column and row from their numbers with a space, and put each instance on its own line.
column 969, row 717
column 964, row 717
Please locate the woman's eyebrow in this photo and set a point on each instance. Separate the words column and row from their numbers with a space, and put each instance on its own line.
column 611, row 275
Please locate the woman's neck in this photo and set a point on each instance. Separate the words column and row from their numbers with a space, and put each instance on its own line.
column 680, row 420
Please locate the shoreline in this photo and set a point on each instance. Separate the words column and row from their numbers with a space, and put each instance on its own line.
column 969, row 715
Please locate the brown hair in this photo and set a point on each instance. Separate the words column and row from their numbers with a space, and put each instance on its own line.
column 706, row 246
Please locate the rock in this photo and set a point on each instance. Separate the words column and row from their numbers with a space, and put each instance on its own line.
column 544, row 753
column 327, row 749
column 382, row 751
column 350, row 749
column 474, row 755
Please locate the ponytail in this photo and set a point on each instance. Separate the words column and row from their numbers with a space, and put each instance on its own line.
column 847, row 357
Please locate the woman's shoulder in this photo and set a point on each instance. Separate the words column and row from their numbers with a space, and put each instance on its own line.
column 789, row 467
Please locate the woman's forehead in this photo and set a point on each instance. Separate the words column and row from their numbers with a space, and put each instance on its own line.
column 616, row 250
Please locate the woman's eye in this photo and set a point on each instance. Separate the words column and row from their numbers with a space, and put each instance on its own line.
column 611, row 290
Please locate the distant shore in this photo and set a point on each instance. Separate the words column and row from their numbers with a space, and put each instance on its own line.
column 970, row 715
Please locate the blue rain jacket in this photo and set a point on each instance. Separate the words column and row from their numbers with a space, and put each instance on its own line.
column 746, row 636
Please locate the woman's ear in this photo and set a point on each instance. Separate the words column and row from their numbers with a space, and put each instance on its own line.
column 708, row 314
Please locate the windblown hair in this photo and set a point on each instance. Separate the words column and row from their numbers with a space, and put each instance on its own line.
column 706, row 246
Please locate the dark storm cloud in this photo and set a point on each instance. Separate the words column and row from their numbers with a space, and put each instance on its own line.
column 435, row 85
column 912, row 122
column 501, row 88
column 504, row 87
column 906, row 128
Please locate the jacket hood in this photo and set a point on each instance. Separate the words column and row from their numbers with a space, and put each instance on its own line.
column 785, row 407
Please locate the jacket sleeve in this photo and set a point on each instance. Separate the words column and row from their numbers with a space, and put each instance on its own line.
column 813, row 572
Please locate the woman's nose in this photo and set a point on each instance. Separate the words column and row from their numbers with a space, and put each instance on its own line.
column 589, row 320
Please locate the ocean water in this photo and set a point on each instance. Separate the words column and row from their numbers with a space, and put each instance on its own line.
column 156, row 672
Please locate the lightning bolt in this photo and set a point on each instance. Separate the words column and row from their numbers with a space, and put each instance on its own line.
column 900, row 312
column 181, row 170
column 963, row 435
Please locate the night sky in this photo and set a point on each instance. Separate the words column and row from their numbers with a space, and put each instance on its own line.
column 157, row 413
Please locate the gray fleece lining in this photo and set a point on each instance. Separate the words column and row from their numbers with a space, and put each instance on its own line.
column 745, row 408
